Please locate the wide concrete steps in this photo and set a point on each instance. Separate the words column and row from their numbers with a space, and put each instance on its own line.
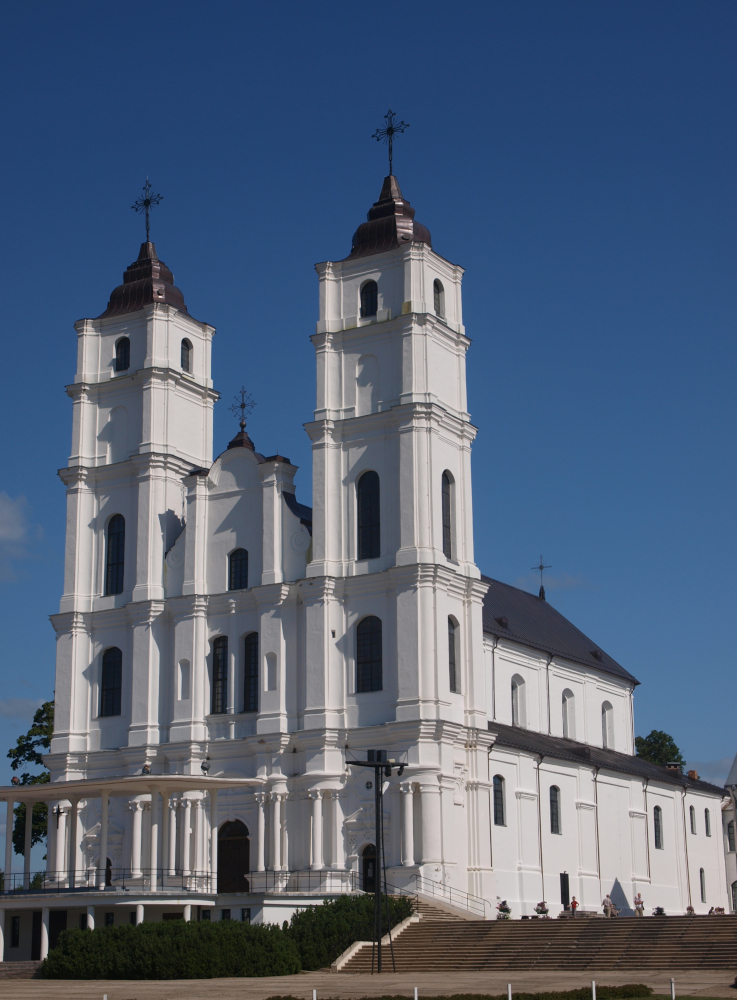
column 19, row 970
column 563, row 945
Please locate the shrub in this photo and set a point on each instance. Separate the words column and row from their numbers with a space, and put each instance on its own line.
column 322, row 933
column 173, row 950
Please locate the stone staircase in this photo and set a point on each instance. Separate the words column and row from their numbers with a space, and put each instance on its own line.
column 19, row 970
column 448, row 943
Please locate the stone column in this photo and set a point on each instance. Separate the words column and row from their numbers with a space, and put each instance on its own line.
column 187, row 911
column 338, row 856
column 408, row 830
column 153, row 860
column 2, row 935
column 164, row 835
column 139, row 913
column 61, row 839
column 430, row 808
column 316, row 796
column 9, row 842
column 186, row 835
column 276, row 830
column 73, row 826
column 137, row 810
column 172, row 852
column 198, row 865
column 44, row 932
column 27, row 846
column 102, row 870
column 260, row 831
column 90, row 918
column 213, row 841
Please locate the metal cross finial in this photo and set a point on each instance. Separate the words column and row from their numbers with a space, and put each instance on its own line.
column 144, row 205
column 541, row 567
column 387, row 133
column 244, row 402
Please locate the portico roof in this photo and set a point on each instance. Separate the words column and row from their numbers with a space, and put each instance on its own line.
column 137, row 784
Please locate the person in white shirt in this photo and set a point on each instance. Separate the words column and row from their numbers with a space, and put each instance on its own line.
column 639, row 905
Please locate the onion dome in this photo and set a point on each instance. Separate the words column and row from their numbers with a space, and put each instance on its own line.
column 147, row 280
column 390, row 224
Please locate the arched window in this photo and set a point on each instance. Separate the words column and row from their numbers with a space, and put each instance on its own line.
column 368, row 655
column 452, row 649
column 658, row 827
column 499, row 800
column 238, row 570
column 438, row 294
column 519, row 714
column 731, row 837
column 447, row 517
column 569, row 715
column 220, row 675
column 112, row 681
column 250, row 673
column 607, row 726
column 554, row 809
column 369, row 517
column 707, row 822
column 233, row 857
column 186, row 357
column 115, row 560
column 369, row 299
column 122, row 355
column 692, row 817
column 702, row 883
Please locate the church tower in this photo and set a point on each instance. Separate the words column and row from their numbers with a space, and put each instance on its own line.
column 391, row 438
column 142, row 421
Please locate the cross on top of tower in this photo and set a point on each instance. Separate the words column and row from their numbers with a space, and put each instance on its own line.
column 541, row 567
column 243, row 404
column 144, row 204
column 387, row 132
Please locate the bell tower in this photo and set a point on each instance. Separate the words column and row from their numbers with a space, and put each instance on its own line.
column 391, row 440
column 142, row 421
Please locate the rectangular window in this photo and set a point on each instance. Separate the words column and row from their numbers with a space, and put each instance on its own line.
column 206, row 914
column 246, row 914
column 15, row 932
column 498, row 800
column 554, row 809
column 225, row 914
column 220, row 675
column 110, row 920
column 658, row 827
column 730, row 835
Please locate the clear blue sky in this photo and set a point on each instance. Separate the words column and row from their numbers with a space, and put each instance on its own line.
column 578, row 159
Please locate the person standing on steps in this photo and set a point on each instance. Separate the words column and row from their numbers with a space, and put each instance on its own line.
column 639, row 905
column 608, row 905
column 574, row 906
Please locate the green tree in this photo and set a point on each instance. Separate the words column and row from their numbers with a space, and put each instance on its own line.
column 28, row 751
column 658, row 748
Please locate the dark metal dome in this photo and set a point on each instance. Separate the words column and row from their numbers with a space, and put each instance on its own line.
column 390, row 224
column 147, row 280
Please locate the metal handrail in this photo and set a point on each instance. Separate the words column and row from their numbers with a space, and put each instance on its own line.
column 455, row 897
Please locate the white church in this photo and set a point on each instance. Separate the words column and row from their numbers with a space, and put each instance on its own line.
column 225, row 650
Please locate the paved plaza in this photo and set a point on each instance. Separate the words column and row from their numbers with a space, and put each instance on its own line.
column 344, row 987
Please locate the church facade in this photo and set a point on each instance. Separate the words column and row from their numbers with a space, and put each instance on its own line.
column 224, row 650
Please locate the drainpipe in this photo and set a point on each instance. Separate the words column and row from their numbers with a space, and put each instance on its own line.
column 547, row 684
column 493, row 678
column 540, row 825
column 647, row 832
column 685, row 844
column 596, row 810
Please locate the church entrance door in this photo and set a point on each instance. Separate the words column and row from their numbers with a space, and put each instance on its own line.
column 368, row 871
column 233, row 857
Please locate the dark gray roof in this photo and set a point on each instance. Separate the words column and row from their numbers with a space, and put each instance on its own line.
column 610, row 760
column 299, row 510
column 514, row 614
